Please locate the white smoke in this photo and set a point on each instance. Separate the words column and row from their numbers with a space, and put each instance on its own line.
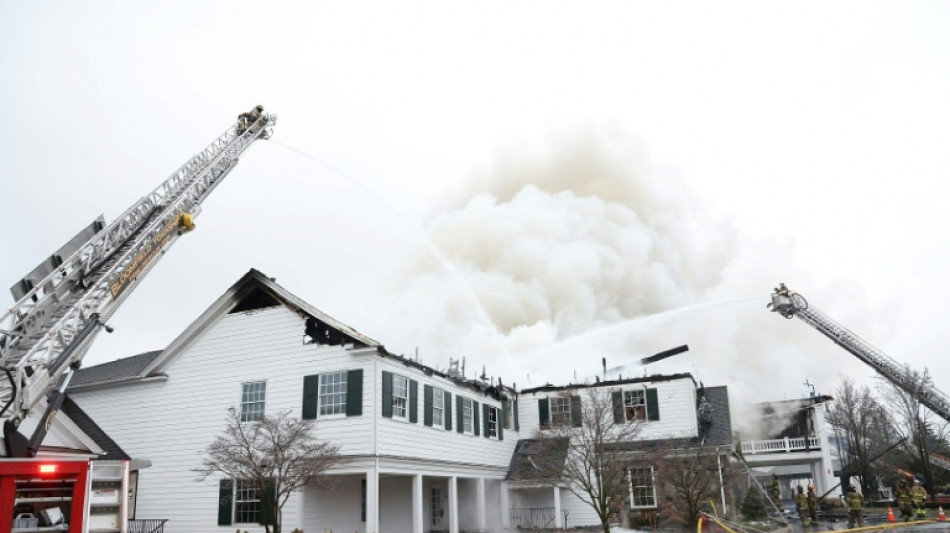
column 574, row 249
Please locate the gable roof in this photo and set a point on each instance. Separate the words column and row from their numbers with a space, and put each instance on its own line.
column 79, row 417
column 153, row 364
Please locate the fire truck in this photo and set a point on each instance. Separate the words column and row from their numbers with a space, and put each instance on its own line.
column 60, row 306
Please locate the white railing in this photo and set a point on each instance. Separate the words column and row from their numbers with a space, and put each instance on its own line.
column 798, row 444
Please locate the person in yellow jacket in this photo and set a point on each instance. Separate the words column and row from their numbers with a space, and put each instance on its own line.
column 855, row 505
column 812, row 499
column 801, row 503
column 919, row 495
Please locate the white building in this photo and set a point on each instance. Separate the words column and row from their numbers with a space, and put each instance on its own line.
column 426, row 451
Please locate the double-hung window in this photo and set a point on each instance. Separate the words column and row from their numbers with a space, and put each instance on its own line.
column 642, row 491
column 252, row 400
column 492, row 423
column 438, row 408
column 560, row 411
column 400, row 397
column 467, row 416
column 635, row 405
column 247, row 502
column 331, row 397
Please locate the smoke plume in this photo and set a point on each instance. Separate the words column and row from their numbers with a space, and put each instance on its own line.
column 558, row 254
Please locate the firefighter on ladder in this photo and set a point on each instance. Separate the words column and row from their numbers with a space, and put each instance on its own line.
column 247, row 118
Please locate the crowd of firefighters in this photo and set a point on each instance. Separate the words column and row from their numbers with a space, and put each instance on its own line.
column 911, row 501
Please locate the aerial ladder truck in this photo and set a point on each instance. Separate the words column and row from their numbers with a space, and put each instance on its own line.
column 788, row 304
column 63, row 303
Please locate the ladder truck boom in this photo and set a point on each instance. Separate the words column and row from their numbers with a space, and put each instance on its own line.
column 792, row 304
column 63, row 303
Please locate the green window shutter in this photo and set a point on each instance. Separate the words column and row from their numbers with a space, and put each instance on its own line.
column 475, row 420
column 310, row 386
column 413, row 401
column 617, row 399
column 516, row 416
column 354, row 392
column 460, row 412
column 485, row 408
column 576, row 415
column 427, row 405
column 653, row 405
column 501, row 427
column 225, row 492
column 447, row 410
column 268, row 504
column 387, row 394
column 543, row 412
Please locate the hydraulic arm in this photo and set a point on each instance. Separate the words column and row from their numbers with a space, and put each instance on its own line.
column 789, row 303
column 63, row 303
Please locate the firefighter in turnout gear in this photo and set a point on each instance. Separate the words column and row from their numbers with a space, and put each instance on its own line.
column 774, row 491
column 905, row 501
column 812, row 499
column 247, row 118
column 801, row 503
column 919, row 497
column 855, row 511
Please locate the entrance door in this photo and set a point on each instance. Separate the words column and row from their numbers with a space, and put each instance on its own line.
column 438, row 508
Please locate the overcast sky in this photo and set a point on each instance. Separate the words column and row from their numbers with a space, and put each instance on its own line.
column 516, row 183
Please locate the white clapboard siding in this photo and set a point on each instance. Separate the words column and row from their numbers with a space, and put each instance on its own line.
column 676, row 398
column 404, row 439
column 171, row 422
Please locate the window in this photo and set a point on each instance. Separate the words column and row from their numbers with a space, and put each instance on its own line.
column 467, row 413
column 332, row 395
column 641, row 487
column 252, row 400
column 635, row 405
column 400, row 397
column 492, row 422
column 560, row 411
column 247, row 502
column 438, row 407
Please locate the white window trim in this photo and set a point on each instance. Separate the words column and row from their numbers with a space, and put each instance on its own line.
column 405, row 416
column 235, row 501
column 440, row 394
column 568, row 414
column 497, row 411
column 470, row 405
column 320, row 396
column 241, row 401
column 652, row 488
column 646, row 412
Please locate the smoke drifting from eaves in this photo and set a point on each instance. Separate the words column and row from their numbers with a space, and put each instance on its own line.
column 576, row 249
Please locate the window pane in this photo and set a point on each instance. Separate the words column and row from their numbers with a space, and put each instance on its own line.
column 438, row 402
column 247, row 502
column 641, row 487
column 252, row 400
column 400, row 396
column 560, row 410
column 635, row 405
column 492, row 422
column 332, row 394
column 467, row 416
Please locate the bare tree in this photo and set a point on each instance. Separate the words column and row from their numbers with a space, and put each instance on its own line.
column 591, row 451
column 692, row 476
column 912, row 420
column 277, row 453
column 861, row 427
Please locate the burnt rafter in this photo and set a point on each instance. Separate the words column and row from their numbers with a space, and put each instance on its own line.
column 322, row 333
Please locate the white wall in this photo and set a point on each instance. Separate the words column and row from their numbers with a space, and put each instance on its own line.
column 173, row 421
column 676, row 398
column 337, row 508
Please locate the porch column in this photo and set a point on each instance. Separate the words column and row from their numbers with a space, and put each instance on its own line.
column 558, row 519
column 480, row 505
column 372, row 500
column 453, row 505
column 505, row 506
column 417, row 503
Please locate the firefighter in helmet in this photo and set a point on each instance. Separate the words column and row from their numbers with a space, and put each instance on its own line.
column 801, row 503
column 812, row 499
column 905, row 501
column 855, row 507
column 919, row 496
